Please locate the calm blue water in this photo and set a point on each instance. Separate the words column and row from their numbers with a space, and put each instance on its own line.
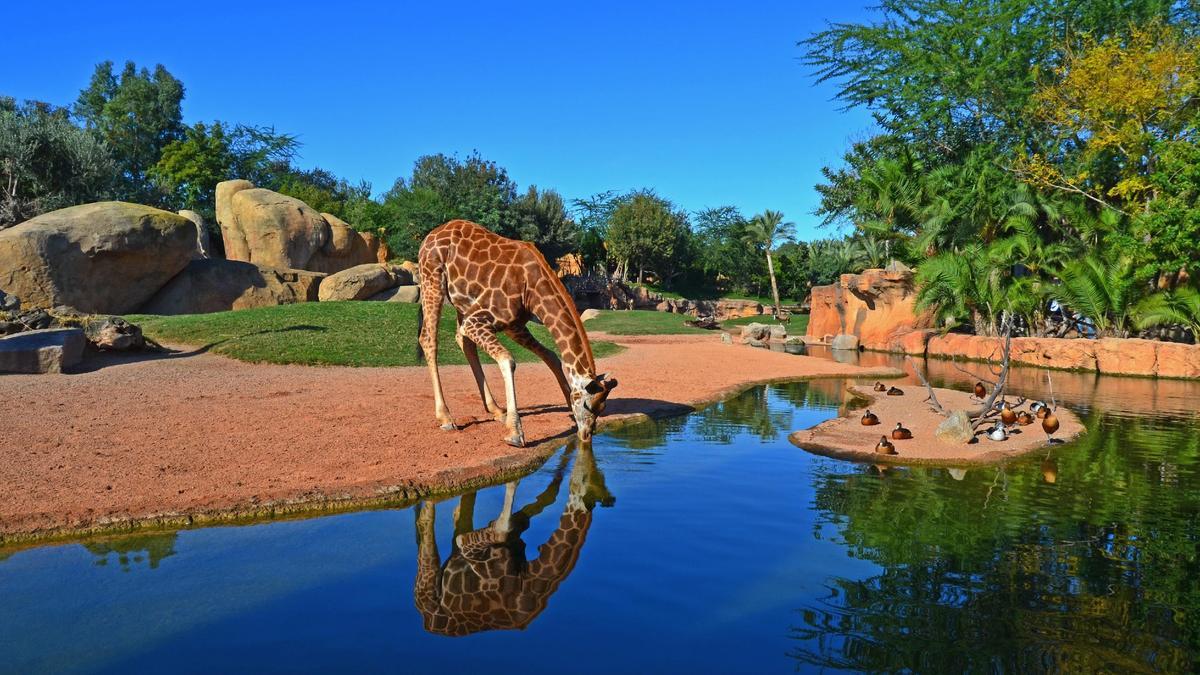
column 702, row 543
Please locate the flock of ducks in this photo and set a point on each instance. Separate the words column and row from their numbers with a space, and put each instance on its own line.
column 1009, row 418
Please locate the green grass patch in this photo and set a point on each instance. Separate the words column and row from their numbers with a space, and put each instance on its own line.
column 325, row 334
column 641, row 322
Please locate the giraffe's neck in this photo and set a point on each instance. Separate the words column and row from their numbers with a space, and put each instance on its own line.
column 551, row 302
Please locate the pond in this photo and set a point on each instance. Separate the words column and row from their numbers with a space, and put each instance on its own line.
column 700, row 543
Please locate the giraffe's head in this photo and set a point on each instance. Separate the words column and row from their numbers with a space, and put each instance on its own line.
column 588, row 395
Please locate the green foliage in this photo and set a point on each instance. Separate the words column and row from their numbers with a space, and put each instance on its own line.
column 646, row 233
column 1178, row 307
column 47, row 163
column 324, row 334
column 138, row 114
column 190, row 168
column 1104, row 291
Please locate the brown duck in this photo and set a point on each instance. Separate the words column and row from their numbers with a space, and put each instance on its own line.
column 895, row 391
column 900, row 433
column 879, row 386
column 1024, row 418
column 885, row 447
column 869, row 419
column 1008, row 415
column 980, row 391
column 1049, row 424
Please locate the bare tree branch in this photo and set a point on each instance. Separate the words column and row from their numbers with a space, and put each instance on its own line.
column 933, row 400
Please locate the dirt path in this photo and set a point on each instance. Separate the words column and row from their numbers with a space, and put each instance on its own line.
column 198, row 437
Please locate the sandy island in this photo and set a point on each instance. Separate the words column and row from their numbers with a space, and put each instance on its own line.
column 847, row 438
column 199, row 438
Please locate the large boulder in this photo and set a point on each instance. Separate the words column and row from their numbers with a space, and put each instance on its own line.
column 41, row 351
column 106, row 257
column 848, row 343
column 231, row 235
column 275, row 230
column 215, row 285
column 357, row 283
column 267, row 228
column 347, row 248
column 876, row 306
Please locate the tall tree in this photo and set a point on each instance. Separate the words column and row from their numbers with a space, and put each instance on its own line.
column 646, row 232
column 768, row 230
column 137, row 113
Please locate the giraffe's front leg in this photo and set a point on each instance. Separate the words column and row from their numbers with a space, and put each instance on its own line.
column 480, row 327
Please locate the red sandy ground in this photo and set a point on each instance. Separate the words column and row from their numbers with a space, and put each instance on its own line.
column 847, row 438
column 164, row 440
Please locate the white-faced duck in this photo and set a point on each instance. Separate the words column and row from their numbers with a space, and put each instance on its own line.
column 998, row 433
column 980, row 391
column 885, row 447
column 895, row 391
column 879, row 386
column 900, row 433
column 869, row 419
column 1049, row 424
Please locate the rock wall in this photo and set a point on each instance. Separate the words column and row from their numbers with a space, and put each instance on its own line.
column 1108, row 356
column 875, row 306
column 267, row 228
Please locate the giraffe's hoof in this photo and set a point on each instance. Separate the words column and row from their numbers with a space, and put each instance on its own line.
column 449, row 426
column 516, row 440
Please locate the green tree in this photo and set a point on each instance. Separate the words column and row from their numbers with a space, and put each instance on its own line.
column 768, row 230
column 541, row 217
column 473, row 188
column 190, row 168
column 47, row 163
column 646, row 233
column 138, row 114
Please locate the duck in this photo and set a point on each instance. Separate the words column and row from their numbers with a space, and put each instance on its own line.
column 869, row 419
column 879, row 386
column 885, row 447
column 1008, row 415
column 1049, row 424
column 895, row 391
column 900, row 433
column 998, row 433
column 980, row 391
column 1024, row 418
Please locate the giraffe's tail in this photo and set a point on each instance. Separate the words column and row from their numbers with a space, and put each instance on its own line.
column 420, row 330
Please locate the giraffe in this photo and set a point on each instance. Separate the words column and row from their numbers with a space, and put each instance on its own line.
column 487, row 583
column 497, row 285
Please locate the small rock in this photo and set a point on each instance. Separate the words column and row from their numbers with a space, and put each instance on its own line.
column 845, row 343
column 726, row 338
column 398, row 294
column 777, row 332
column 754, row 342
column 755, row 331
column 956, row 428
column 41, row 351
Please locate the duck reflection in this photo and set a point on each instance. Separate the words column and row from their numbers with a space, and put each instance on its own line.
column 487, row 583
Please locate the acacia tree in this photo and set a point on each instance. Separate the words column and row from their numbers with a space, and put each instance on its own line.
column 768, row 230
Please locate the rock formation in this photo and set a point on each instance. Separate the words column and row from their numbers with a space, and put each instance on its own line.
column 875, row 306
column 215, row 285
column 275, row 230
column 361, row 282
column 107, row 257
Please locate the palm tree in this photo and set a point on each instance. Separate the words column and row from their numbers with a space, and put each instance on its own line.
column 1103, row 292
column 768, row 230
column 1181, row 306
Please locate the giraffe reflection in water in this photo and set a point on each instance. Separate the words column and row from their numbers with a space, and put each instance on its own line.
column 487, row 583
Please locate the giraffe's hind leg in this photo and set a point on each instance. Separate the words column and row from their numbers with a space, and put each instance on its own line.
column 471, row 351
column 432, row 278
column 522, row 336
column 480, row 327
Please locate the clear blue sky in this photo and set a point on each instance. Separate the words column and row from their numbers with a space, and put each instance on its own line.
column 706, row 102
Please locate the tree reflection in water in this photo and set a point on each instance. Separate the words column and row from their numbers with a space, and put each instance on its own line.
column 1081, row 561
column 487, row 583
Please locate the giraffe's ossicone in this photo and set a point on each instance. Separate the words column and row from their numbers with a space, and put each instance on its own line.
column 498, row 285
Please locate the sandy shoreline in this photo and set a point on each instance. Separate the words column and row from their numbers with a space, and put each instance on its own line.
column 199, row 438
